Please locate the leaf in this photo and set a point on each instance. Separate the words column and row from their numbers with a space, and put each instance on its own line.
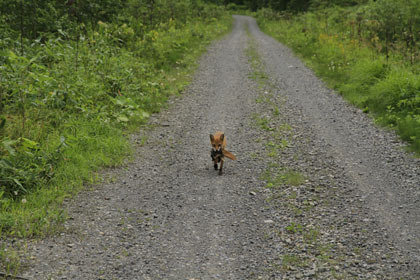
column 63, row 141
column 6, row 164
column 2, row 122
column 28, row 144
column 8, row 145
column 122, row 118
column 120, row 102
column 32, row 60
column 19, row 184
column 145, row 115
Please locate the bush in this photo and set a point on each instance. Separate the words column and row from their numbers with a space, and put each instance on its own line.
column 398, row 95
column 360, row 77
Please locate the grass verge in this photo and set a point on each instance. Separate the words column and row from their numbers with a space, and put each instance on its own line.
column 51, row 150
column 386, row 87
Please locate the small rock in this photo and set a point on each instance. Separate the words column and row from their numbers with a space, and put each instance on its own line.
column 310, row 273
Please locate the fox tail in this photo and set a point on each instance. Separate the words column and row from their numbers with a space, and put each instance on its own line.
column 229, row 155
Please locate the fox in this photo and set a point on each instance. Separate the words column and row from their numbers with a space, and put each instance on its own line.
column 218, row 150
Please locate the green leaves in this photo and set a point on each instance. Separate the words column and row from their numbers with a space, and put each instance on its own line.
column 21, row 165
column 58, row 125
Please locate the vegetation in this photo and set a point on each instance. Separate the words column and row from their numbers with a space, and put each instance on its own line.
column 293, row 6
column 75, row 77
column 369, row 52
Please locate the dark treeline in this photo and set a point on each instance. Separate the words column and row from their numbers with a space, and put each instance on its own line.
column 36, row 18
column 288, row 5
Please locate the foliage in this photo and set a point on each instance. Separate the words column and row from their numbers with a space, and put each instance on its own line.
column 74, row 78
column 370, row 53
column 290, row 5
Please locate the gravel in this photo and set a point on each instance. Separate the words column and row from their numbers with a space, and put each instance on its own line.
column 169, row 215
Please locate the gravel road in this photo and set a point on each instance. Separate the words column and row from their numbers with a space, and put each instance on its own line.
column 351, row 212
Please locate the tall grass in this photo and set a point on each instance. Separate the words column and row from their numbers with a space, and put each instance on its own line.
column 384, row 83
column 66, row 105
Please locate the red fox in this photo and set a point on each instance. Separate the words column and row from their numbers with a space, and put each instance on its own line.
column 218, row 152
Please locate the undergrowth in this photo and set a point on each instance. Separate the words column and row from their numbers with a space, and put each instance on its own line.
column 352, row 51
column 70, row 96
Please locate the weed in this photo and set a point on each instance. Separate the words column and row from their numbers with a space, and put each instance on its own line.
column 293, row 178
column 294, row 228
column 254, row 156
column 262, row 122
column 311, row 235
column 276, row 111
column 290, row 260
column 10, row 260
column 258, row 74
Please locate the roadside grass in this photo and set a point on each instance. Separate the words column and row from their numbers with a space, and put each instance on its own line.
column 52, row 149
column 38, row 213
column 11, row 258
column 57, row 156
column 388, row 88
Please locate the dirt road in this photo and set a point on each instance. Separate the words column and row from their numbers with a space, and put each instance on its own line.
column 317, row 191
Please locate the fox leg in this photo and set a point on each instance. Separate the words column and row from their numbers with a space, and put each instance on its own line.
column 215, row 161
column 221, row 166
column 215, row 164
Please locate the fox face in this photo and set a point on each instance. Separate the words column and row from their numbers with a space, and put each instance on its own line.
column 217, row 141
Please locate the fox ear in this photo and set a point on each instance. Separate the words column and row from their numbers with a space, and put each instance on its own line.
column 211, row 137
column 222, row 137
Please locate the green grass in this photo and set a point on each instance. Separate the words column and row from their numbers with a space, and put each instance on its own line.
column 262, row 122
column 95, row 146
column 290, row 260
column 388, row 89
column 293, row 178
column 10, row 260
column 51, row 151
column 67, row 125
column 279, row 177
column 258, row 73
